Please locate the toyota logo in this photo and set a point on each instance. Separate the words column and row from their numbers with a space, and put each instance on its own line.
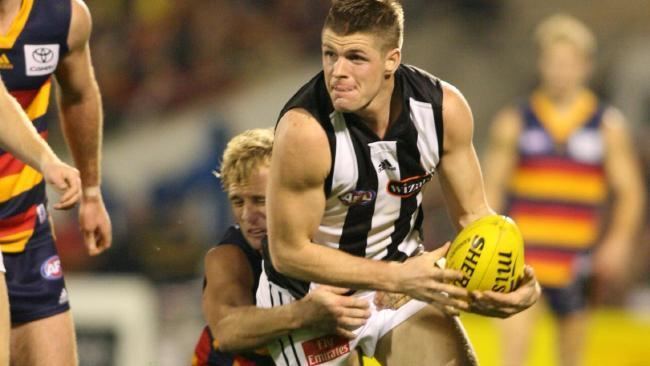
column 42, row 55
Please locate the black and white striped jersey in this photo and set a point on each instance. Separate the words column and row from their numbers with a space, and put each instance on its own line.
column 373, row 190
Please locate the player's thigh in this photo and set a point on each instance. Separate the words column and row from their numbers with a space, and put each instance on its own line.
column 45, row 342
column 519, row 325
column 429, row 337
column 516, row 334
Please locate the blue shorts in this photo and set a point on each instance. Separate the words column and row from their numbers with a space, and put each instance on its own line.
column 35, row 279
column 570, row 299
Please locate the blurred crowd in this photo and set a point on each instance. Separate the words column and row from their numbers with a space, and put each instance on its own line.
column 153, row 56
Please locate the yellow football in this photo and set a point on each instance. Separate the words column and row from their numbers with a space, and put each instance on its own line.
column 490, row 253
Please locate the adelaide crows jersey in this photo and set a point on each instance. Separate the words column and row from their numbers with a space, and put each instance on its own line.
column 29, row 55
column 373, row 190
column 558, row 189
column 207, row 352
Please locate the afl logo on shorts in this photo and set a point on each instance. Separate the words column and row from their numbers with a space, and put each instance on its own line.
column 51, row 268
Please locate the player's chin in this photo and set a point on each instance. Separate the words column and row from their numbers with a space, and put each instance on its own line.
column 255, row 241
column 344, row 107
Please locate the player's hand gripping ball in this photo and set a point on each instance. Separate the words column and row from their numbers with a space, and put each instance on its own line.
column 490, row 253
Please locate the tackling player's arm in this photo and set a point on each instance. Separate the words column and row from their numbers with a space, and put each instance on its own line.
column 461, row 181
column 19, row 137
column 81, row 118
column 296, row 202
column 238, row 325
column 501, row 155
column 625, row 181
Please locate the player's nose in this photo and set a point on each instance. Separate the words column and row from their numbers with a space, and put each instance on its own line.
column 339, row 67
column 250, row 212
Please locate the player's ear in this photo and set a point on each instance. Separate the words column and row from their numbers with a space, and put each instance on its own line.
column 392, row 61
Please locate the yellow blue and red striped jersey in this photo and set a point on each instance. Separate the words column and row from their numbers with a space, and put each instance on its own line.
column 29, row 55
column 558, row 189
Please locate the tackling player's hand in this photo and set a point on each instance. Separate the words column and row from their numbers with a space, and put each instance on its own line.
column 421, row 279
column 502, row 305
column 94, row 222
column 327, row 309
column 65, row 180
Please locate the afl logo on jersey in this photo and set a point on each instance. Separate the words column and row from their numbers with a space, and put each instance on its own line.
column 357, row 198
column 51, row 268
column 41, row 59
column 408, row 187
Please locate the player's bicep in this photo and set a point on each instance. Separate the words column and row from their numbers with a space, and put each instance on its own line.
column 299, row 165
column 460, row 172
column 74, row 73
column 229, row 280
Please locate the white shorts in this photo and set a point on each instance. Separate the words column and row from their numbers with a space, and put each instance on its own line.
column 309, row 348
column 2, row 264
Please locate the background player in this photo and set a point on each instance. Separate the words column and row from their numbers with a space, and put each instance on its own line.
column 42, row 38
column 232, row 269
column 18, row 136
column 552, row 161
column 353, row 149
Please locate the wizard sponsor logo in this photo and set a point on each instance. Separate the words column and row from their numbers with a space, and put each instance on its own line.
column 408, row 187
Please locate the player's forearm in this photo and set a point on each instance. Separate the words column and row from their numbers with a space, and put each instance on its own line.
column 627, row 212
column 20, row 137
column 316, row 263
column 496, row 182
column 247, row 328
column 82, row 126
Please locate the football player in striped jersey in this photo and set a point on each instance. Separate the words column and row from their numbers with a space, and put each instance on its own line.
column 19, row 137
column 354, row 148
column 44, row 46
column 552, row 162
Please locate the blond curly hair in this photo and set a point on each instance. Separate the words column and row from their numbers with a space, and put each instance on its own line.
column 244, row 153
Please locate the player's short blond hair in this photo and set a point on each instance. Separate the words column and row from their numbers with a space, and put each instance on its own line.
column 384, row 18
column 244, row 153
column 565, row 28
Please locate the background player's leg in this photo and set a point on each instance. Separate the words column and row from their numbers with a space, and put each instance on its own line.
column 571, row 330
column 429, row 337
column 4, row 321
column 516, row 333
column 45, row 342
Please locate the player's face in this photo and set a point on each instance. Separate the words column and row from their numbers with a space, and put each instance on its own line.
column 355, row 68
column 248, row 202
column 564, row 68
